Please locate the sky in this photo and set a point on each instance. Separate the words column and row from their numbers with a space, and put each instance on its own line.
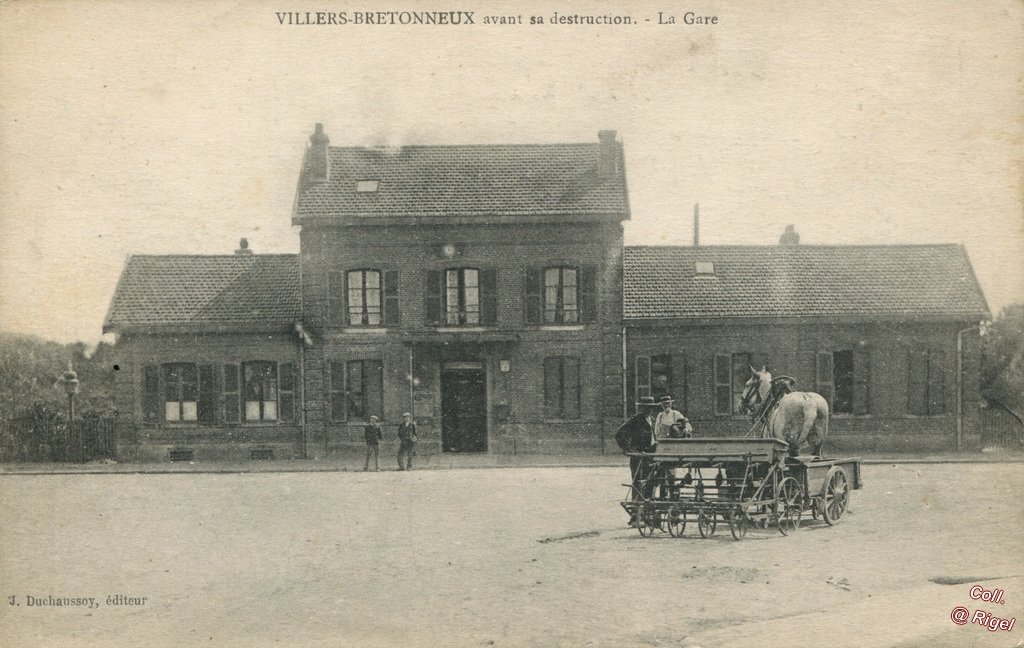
column 159, row 128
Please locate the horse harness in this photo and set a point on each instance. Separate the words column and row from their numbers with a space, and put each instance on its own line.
column 780, row 386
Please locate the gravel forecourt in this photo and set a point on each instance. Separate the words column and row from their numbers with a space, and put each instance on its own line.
column 494, row 557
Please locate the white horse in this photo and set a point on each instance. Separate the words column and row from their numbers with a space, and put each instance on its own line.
column 796, row 418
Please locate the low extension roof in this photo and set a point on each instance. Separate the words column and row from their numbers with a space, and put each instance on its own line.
column 509, row 180
column 192, row 292
column 870, row 282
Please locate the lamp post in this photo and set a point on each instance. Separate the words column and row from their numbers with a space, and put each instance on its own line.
column 70, row 380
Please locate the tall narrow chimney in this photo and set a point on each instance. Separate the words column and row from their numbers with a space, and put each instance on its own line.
column 317, row 161
column 608, row 159
column 696, row 224
column 790, row 236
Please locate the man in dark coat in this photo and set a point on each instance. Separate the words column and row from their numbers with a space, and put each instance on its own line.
column 407, row 441
column 372, row 434
column 637, row 435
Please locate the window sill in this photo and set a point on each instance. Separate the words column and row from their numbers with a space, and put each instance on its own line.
column 562, row 327
column 367, row 330
column 462, row 329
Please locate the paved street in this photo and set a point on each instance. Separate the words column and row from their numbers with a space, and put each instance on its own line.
column 504, row 557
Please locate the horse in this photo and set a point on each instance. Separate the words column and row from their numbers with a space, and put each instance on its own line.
column 795, row 417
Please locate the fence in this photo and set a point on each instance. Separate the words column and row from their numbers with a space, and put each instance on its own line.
column 1000, row 428
column 29, row 440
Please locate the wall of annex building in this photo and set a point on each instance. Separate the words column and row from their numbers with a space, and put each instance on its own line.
column 891, row 410
column 227, row 435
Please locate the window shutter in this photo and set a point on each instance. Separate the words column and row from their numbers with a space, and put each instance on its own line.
column 679, row 381
column 824, row 375
column 489, row 296
column 723, row 384
column 917, row 382
column 286, row 380
column 571, row 388
column 936, row 382
column 588, row 293
column 336, row 388
column 433, row 305
column 532, row 303
column 231, row 393
column 151, row 394
column 336, row 298
column 373, row 387
column 861, row 381
column 392, row 316
column 207, row 405
column 552, row 388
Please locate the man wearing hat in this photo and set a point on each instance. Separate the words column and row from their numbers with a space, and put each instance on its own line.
column 670, row 422
column 637, row 435
column 407, row 441
column 372, row 434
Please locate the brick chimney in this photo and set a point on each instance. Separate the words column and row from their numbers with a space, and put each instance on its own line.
column 317, row 161
column 608, row 158
column 243, row 247
column 789, row 237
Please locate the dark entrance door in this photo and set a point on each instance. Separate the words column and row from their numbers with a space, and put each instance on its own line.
column 463, row 409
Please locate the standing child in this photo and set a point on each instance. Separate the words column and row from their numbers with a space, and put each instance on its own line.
column 373, row 434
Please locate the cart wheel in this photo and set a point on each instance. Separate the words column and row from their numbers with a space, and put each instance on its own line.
column 837, row 497
column 706, row 523
column 676, row 522
column 738, row 524
column 643, row 522
column 790, row 506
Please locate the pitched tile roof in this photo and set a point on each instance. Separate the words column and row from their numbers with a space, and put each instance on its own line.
column 469, row 180
column 883, row 281
column 190, row 291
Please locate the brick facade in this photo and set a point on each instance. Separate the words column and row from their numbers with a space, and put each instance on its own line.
column 880, row 421
column 514, row 398
column 421, row 224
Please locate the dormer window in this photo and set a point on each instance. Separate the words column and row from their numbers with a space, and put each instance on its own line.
column 705, row 268
column 367, row 186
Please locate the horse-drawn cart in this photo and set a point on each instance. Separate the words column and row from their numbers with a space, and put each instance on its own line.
column 745, row 483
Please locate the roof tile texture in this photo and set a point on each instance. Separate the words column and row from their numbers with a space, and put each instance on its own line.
column 207, row 290
column 468, row 180
column 801, row 280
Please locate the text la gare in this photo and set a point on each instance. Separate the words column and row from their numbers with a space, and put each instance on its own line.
column 689, row 18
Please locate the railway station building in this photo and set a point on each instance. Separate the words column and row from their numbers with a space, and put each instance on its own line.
column 486, row 290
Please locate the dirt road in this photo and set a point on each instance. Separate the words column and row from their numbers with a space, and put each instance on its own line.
column 504, row 557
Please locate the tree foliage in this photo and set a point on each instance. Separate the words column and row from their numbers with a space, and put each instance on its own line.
column 1002, row 363
column 30, row 368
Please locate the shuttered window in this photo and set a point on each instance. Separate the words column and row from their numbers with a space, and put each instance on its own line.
column 207, row 394
column 181, row 392
column 364, row 293
column 286, row 378
column 232, row 393
column 151, row 408
column 561, row 388
column 843, row 379
column 926, row 391
column 336, row 298
column 560, row 295
column 259, row 391
column 723, row 384
column 462, row 297
column 655, row 376
column 732, row 371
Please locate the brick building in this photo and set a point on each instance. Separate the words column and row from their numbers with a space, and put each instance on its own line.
column 486, row 290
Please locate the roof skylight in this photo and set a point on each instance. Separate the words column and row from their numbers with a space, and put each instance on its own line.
column 367, row 186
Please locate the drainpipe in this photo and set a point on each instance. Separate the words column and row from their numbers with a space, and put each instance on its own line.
column 625, row 395
column 412, row 382
column 960, row 386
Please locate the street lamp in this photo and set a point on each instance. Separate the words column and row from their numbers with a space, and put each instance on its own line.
column 70, row 380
